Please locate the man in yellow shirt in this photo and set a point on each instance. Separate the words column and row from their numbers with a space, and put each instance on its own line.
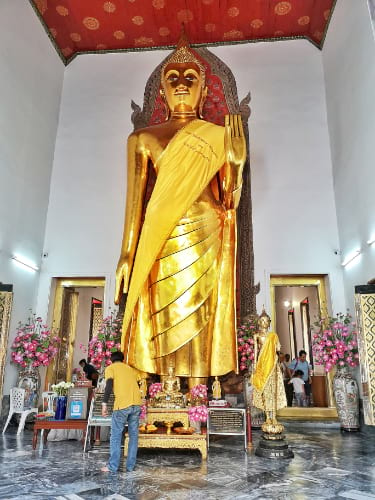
column 122, row 380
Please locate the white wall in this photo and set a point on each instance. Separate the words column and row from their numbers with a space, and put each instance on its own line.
column 349, row 68
column 294, row 214
column 30, row 90
column 293, row 205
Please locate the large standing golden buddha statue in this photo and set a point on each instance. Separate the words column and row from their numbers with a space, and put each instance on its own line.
column 177, row 266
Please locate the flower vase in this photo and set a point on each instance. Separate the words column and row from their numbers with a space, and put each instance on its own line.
column 60, row 412
column 345, row 389
column 197, row 425
column 29, row 379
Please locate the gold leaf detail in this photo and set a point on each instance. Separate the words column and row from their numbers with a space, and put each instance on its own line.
column 283, row 8
column 91, row 23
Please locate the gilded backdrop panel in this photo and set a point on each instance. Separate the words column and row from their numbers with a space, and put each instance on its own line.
column 365, row 313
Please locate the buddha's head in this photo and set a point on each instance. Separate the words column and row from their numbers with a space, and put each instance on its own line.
column 264, row 321
column 183, row 81
column 171, row 370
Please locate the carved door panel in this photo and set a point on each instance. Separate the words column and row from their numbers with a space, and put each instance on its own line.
column 6, row 300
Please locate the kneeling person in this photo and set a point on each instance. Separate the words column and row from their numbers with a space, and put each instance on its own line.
column 122, row 380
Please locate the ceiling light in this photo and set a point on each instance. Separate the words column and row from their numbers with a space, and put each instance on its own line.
column 351, row 257
column 287, row 303
column 25, row 262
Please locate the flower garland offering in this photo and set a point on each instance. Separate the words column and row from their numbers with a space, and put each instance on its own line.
column 154, row 389
column 335, row 342
column 62, row 388
column 107, row 341
column 245, row 340
column 198, row 413
column 34, row 345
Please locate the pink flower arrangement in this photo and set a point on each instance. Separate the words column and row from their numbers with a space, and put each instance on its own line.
column 199, row 391
column 245, row 341
column 335, row 342
column 34, row 345
column 154, row 389
column 198, row 413
column 143, row 413
column 107, row 341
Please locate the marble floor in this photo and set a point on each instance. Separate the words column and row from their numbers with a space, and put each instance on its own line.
column 327, row 464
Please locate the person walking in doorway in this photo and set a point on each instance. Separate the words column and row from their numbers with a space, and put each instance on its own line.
column 284, row 365
column 122, row 380
column 302, row 364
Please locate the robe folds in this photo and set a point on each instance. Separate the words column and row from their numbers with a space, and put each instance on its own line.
column 267, row 379
column 180, row 307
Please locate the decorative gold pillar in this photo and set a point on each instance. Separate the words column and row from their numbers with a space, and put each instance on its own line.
column 365, row 315
column 6, row 300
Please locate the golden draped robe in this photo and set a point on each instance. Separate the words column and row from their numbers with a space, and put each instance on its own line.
column 181, row 303
column 267, row 379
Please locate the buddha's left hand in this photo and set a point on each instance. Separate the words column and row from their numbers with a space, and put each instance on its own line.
column 235, row 144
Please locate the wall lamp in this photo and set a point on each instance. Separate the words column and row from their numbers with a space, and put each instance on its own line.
column 24, row 262
column 354, row 255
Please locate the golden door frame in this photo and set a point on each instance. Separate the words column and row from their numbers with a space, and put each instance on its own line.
column 60, row 285
column 318, row 280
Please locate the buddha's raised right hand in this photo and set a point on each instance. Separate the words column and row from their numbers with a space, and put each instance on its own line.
column 122, row 279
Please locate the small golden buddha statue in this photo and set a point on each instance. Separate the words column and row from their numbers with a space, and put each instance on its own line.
column 143, row 387
column 267, row 380
column 170, row 395
column 216, row 388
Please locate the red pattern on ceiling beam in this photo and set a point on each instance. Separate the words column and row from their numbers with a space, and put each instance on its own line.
column 81, row 26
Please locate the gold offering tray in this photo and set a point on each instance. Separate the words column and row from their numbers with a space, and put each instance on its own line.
column 148, row 431
column 184, row 430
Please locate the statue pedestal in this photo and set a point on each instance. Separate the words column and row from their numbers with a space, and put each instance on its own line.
column 273, row 446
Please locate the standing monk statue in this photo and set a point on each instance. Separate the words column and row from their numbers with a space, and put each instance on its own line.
column 267, row 379
column 177, row 265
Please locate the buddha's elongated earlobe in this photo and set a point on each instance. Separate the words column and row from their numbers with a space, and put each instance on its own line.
column 167, row 110
column 202, row 101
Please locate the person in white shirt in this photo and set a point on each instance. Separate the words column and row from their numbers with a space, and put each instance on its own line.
column 299, row 387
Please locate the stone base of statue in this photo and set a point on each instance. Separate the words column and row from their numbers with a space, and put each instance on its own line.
column 273, row 444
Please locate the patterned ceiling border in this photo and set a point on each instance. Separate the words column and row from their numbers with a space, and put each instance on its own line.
column 68, row 60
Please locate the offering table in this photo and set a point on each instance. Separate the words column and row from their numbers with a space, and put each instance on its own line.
column 161, row 439
column 57, row 424
column 168, row 415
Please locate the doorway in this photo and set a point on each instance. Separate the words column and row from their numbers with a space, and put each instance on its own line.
column 77, row 315
column 297, row 302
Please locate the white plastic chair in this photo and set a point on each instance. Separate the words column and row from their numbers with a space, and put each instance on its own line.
column 48, row 398
column 17, row 396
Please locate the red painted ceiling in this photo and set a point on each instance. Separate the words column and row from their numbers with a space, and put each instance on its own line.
column 82, row 26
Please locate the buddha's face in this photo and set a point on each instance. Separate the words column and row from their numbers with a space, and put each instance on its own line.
column 182, row 86
column 263, row 323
